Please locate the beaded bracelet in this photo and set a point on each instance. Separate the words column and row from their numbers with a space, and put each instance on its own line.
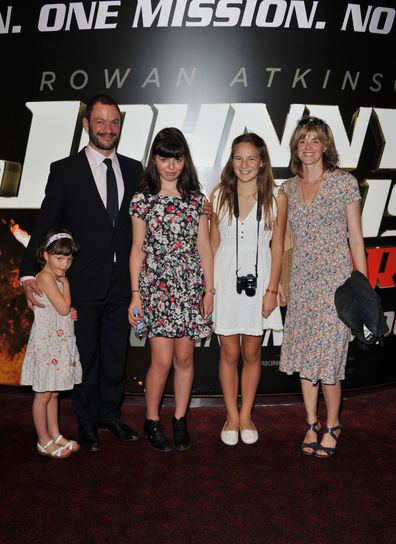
column 210, row 290
column 135, row 291
column 271, row 291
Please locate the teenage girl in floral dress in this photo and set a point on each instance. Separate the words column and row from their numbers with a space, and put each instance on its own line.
column 172, row 277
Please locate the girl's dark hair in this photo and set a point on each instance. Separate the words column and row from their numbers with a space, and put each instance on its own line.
column 322, row 131
column 59, row 246
column 265, row 181
column 170, row 143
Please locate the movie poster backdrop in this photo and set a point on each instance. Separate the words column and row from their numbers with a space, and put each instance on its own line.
column 214, row 69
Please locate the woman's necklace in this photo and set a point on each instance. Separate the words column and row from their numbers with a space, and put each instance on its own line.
column 169, row 192
column 318, row 182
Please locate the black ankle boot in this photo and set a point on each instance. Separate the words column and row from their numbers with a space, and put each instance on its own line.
column 155, row 435
column 181, row 437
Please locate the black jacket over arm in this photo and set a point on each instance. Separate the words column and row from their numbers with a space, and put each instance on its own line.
column 359, row 306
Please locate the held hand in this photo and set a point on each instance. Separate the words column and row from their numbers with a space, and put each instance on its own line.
column 32, row 293
column 270, row 302
column 132, row 318
column 73, row 314
column 207, row 305
column 207, row 208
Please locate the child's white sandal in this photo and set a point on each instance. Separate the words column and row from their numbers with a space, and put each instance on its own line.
column 43, row 449
column 56, row 454
column 71, row 445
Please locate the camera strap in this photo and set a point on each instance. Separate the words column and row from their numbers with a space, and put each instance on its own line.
column 258, row 219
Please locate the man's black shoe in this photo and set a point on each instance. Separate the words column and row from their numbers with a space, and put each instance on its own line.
column 155, row 435
column 88, row 437
column 120, row 429
column 181, row 437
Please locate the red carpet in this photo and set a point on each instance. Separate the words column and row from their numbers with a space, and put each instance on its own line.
column 266, row 493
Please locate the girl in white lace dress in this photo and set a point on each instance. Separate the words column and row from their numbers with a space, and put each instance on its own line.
column 52, row 361
column 247, row 230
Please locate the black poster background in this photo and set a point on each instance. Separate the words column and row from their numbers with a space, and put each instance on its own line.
column 216, row 55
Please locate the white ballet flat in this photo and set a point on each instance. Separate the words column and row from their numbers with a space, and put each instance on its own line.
column 249, row 436
column 229, row 437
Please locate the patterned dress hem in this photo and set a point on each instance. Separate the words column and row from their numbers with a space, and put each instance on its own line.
column 175, row 337
column 313, row 380
column 58, row 388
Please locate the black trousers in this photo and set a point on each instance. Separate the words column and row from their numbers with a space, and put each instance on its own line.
column 102, row 332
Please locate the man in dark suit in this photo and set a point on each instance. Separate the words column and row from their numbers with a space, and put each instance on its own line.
column 91, row 198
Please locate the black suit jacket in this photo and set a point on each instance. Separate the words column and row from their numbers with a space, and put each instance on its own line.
column 73, row 201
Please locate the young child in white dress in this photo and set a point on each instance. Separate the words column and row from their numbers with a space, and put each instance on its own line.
column 247, row 230
column 52, row 361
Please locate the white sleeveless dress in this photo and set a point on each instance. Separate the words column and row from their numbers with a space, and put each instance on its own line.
column 52, row 361
column 237, row 313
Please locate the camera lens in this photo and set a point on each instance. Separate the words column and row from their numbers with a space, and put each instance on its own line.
column 250, row 291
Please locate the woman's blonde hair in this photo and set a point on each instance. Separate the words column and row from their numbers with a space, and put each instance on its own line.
column 322, row 131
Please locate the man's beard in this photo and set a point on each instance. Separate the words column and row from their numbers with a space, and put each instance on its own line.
column 94, row 139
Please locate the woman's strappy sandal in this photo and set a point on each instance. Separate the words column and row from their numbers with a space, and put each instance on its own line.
column 59, row 453
column 328, row 452
column 71, row 445
column 313, row 446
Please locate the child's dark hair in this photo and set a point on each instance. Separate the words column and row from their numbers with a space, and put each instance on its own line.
column 57, row 241
column 170, row 142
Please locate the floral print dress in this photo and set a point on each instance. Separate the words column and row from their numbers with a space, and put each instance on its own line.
column 52, row 361
column 315, row 341
column 171, row 281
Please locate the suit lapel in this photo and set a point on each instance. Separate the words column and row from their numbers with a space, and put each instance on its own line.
column 124, row 171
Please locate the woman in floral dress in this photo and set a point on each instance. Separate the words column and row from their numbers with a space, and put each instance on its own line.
column 172, row 277
column 323, row 211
